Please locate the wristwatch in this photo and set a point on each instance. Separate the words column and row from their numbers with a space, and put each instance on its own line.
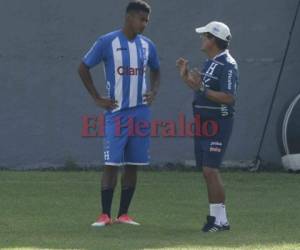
column 202, row 87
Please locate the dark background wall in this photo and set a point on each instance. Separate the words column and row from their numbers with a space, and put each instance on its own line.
column 43, row 100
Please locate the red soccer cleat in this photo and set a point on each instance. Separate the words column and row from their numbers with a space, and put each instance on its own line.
column 102, row 221
column 125, row 219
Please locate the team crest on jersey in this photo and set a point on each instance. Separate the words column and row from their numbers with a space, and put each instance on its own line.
column 211, row 69
column 208, row 75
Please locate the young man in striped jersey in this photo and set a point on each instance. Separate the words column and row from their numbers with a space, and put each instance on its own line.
column 126, row 55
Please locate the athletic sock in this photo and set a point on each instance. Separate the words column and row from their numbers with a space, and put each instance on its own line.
column 126, row 197
column 219, row 212
column 223, row 216
column 106, row 200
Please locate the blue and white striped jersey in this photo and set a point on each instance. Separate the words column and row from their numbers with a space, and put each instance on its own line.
column 125, row 64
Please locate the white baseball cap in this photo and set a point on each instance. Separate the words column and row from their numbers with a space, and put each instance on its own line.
column 218, row 29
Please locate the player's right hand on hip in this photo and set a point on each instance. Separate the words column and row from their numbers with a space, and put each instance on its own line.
column 106, row 103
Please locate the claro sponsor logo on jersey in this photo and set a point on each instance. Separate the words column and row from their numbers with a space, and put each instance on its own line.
column 130, row 71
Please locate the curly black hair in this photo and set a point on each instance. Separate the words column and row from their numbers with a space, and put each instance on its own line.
column 138, row 5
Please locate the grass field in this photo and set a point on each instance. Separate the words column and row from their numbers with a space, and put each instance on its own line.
column 54, row 210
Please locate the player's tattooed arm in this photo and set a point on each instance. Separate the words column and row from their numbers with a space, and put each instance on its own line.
column 154, row 86
column 86, row 77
